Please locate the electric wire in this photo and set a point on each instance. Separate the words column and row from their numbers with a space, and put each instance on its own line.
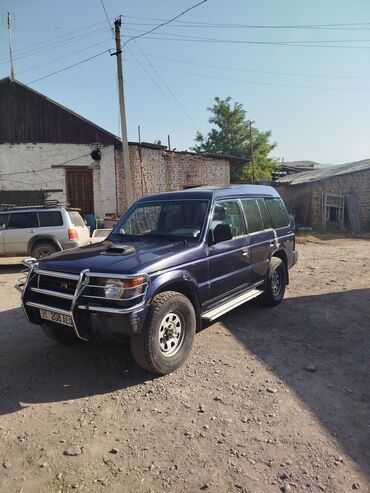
column 164, row 23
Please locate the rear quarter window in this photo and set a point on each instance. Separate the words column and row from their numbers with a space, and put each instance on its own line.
column 276, row 208
column 76, row 219
column 50, row 218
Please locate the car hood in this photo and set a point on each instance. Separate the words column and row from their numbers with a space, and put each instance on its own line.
column 112, row 257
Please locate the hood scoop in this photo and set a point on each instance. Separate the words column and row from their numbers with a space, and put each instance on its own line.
column 119, row 250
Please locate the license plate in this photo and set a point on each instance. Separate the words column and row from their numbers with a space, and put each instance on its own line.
column 56, row 317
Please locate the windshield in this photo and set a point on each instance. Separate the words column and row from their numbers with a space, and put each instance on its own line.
column 176, row 219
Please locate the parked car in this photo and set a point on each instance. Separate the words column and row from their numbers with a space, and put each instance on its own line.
column 40, row 231
column 173, row 261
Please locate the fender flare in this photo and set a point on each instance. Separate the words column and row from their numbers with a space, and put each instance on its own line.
column 281, row 253
column 43, row 237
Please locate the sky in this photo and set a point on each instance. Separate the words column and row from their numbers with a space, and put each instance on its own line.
column 309, row 83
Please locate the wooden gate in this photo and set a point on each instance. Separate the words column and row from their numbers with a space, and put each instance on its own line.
column 80, row 190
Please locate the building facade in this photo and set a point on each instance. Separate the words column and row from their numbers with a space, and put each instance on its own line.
column 337, row 196
column 49, row 152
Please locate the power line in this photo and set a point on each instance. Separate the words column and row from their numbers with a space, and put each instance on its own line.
column 239, row 69
column 43, row 169
column 261, row 83
column 166, row 85
column 62, row 57
column 107, row 16
column 164, row 23
column 66, row 68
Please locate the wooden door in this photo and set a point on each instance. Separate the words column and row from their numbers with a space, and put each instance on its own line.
column 80, row 190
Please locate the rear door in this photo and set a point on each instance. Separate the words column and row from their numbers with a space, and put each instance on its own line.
column 21, row 227
column 261, row 237
column 228, row 264
column 4, row 216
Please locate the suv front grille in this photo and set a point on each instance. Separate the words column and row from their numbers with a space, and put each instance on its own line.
column 58, row 284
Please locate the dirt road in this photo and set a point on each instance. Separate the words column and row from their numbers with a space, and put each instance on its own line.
column 270, row 400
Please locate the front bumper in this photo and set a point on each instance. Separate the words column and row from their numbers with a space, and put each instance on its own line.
column 88, row 316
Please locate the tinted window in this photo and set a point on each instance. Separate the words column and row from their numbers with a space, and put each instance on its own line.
column 252, row 214
column 277, row 212
column 76, row 219
column 50, row 218
column 229, row 213
column 3, row 220
column 22, row 220
column 264, row 214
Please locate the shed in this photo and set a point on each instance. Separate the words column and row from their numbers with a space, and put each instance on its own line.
column 334, row 197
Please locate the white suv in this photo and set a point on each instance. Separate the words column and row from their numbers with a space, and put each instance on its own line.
column 40, row 231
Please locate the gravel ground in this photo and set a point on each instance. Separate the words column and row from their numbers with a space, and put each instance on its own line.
column 270, row 400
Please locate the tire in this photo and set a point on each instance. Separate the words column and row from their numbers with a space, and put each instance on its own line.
column 275, row 283
column 43, row 249
column 64, row 335
column 168, row 334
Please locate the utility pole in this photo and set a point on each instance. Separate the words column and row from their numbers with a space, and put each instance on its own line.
column 125, row 151
column 10, row 48
column 252, row 150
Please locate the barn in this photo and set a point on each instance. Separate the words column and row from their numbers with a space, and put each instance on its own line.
column 335, row 197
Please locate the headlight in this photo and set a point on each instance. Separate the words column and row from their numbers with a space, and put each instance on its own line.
column 113, row 288
column 124, row 289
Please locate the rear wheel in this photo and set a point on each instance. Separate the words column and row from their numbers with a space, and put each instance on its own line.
column 64, row 335
column 167, row 337
column 275, row 283
column 43, row 249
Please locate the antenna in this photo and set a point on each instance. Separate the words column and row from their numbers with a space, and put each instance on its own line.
column 10, row 48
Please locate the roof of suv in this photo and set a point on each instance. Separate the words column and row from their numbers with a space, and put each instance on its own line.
column 209, row 193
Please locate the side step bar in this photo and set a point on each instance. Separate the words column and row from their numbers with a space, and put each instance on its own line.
column 214, row 313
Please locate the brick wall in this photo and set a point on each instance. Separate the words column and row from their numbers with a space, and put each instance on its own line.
column 355, row 182
column 169, row 171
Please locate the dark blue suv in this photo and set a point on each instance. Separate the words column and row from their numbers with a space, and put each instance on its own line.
column 173, row 261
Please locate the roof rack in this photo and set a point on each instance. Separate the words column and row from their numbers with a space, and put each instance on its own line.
column 47, row 204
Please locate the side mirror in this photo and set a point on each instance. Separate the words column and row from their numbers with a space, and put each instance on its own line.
column 222, row 232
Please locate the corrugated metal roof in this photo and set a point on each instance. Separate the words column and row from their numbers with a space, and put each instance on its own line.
column 325, row 173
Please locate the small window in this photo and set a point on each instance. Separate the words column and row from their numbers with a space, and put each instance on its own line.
column 3, row 221
column 264, row 214
column 22, row 220
column 229, row 213
column 76, row 219
column 277, row 212
column 50, row 218
column 252, row 214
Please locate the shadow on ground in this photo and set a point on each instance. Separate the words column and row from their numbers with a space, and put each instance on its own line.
column 35, row 369
column 331, row 332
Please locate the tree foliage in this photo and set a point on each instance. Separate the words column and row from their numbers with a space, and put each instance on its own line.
column 230, row 135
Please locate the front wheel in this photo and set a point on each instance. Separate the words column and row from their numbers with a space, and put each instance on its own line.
column 275, row 283
column 167, row 338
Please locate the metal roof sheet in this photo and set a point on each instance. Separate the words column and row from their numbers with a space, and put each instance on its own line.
column 325, row 173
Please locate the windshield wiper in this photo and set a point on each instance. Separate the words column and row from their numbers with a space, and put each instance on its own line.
column 183, row 241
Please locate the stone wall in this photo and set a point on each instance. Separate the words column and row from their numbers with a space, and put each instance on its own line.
column 169, row 171
column 357, row 182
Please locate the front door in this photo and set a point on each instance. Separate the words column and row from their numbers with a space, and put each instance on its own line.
column 228, row 260
column 21, row 227
column 4, row 216
column 80, row 190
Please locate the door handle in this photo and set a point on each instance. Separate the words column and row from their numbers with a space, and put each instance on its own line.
column 245, row 251
column 272, row 243
column 31, row 230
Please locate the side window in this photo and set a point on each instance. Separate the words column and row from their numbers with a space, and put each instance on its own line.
column 228, row 212
column 252, row 213
column 3, row 221
column 22, row 220
column 264, row 214
column 277, row 212
column 50, row 218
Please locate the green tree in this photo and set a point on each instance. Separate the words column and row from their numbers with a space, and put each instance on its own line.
column 231, row 135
